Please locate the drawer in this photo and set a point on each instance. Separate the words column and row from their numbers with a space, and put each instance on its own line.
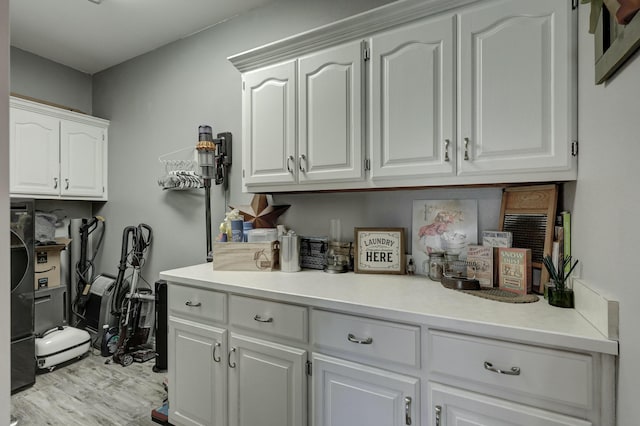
column 197, row 303
column 375, row 340
column 511, row 368
column 273, row 318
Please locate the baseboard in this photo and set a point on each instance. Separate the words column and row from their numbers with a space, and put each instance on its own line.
column 601, row 312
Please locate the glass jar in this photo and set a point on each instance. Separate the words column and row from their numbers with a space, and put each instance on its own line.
column 436, row 262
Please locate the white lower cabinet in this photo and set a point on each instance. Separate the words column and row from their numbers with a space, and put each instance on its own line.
column 351, row 394
column 219, row 377
column 456, row 407
column 236, row 359
column 267, row 383
column 197, row 374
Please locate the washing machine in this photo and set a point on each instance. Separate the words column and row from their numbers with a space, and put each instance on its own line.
column 23, row 364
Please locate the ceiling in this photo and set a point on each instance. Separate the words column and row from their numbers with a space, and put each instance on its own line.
column 91, row 37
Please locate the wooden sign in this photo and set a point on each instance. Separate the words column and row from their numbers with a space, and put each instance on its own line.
column 379, row 251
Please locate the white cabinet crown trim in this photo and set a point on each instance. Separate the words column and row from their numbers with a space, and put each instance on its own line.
column 351, row 28
column 32, row 106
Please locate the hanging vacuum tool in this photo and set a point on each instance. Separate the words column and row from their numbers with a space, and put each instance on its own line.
column 214, row 158
column 84, row 266
column 135, row 309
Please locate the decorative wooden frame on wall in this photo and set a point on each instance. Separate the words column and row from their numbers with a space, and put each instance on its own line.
column 614, row 44
column 529, row 213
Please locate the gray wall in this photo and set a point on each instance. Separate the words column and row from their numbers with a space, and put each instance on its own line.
column 40, row 78
column 607, row 204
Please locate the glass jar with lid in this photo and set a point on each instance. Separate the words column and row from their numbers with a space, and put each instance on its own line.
column 436, row 263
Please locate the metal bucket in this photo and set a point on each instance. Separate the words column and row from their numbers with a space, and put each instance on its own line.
column 290, row 253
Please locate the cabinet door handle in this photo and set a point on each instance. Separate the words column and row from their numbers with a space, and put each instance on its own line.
column 66, row 184
column 446, row 150
column 289, row 160
column 438, row 410
column 514, row 371
column 260, row 319
column 354, row 339
column 55, row 183
column 215, row 349
column 301, row 159
column 231, row 365
column 407, row 410
column 193, row 305
column 466, row 149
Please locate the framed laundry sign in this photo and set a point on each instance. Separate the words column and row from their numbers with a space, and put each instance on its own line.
column 379, row 251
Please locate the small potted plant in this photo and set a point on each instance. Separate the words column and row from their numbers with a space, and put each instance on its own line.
column 559, row 293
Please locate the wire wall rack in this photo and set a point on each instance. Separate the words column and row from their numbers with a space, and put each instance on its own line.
column 180, row 170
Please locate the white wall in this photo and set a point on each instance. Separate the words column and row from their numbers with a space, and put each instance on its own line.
column 5, row 330
column 607, row 203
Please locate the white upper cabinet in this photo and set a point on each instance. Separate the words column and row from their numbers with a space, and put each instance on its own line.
column 415, row 94
column 322, row 102
column 269, row 125
column 412, row 94
column 330, row 115
column 81, row 159
column 515, row 84
column 35, row 153
column 56, row 154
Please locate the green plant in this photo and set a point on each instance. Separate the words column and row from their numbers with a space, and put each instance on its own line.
column 558, row 275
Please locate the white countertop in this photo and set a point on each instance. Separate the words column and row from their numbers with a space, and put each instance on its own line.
column 410, row 299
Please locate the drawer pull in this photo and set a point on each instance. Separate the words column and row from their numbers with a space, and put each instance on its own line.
column 407, row 410
column 515, row 371
column 354, row 339
column 438, row 411
column 215, row 349
column 193, row 305
column 446, row 150
column 260, row 319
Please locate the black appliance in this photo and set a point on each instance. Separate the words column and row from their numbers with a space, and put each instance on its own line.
column 161, row 327
column 23, row 364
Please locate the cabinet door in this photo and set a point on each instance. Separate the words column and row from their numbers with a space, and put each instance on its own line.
column 351, row 394
column 516, row 87
column 197, row 374
column 330, row 142
column 81, row 159
column 269, row 123
column 267, row 383
column 35, row 158
column 453, row 407
column 412, row 123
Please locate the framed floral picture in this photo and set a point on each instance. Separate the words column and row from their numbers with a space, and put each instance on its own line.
column 447, row 226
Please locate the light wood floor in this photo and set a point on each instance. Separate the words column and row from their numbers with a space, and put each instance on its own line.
column 89, row 392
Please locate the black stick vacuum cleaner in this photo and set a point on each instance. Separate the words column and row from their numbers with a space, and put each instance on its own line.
column 135, row 309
